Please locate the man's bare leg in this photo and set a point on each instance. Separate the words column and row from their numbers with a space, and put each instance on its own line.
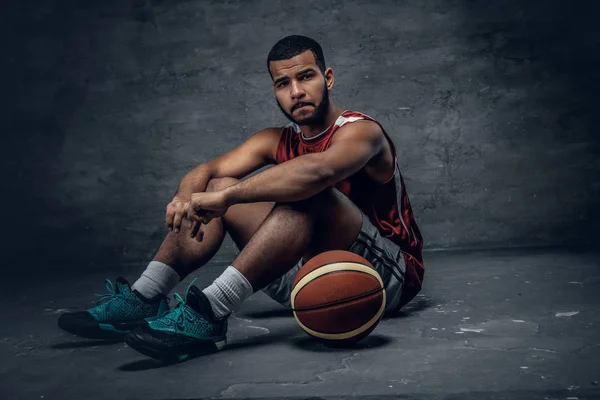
column 179, row 254
column 327, row 221
column 186, row 254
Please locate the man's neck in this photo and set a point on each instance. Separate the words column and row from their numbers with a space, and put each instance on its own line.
column 309, row 131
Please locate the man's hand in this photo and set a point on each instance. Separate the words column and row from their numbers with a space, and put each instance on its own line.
column 176, row 211
column 205, row 206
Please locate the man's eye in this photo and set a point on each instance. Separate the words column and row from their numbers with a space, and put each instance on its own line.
column 306, row 76
column 282, row 84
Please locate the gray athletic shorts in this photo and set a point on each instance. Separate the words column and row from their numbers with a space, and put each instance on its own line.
column 381, row 252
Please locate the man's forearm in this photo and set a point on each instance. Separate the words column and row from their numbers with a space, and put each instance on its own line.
column 294, row 180
column 194, row 181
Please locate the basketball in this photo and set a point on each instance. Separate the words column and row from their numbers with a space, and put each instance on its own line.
column 338, row 297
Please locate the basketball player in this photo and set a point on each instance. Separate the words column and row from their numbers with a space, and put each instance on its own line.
column 335, row 185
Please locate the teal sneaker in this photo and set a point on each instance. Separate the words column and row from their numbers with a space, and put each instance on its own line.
column 116, row 313
column 188, row 330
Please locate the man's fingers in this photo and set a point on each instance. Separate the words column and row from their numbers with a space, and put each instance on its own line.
column 195, row 226
column 169, row 217
column 200, row 233
column 169, row 221
column 192, row 214
column 177, row 221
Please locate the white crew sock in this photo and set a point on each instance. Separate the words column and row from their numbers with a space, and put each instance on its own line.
column 157, row 278
column 228, row 292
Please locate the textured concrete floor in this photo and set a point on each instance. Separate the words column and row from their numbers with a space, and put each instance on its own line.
column 518, row 324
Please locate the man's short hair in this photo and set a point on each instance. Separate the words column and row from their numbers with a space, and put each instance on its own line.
column 291, row 46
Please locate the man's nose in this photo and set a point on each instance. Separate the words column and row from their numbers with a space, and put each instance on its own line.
column 297, row 91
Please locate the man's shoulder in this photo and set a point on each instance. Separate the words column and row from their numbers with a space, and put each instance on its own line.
column 356, row 121
column 359, row 127
column 353, row 115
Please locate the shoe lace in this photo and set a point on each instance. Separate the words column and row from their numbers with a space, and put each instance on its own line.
column 183, row 312
column 112, row 293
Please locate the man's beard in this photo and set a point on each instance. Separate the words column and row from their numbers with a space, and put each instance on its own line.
column 318, row 114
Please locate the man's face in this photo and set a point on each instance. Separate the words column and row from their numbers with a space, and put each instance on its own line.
column 300, row 89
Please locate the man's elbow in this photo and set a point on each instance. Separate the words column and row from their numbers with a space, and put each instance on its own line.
column 329, row 176
column 330, row 173
column 322, row 173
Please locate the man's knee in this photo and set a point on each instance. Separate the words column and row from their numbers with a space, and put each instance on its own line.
column 217, row 184
column 322, row 202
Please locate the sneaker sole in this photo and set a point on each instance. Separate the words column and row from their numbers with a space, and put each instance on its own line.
column 204, row 348
column 98, row 330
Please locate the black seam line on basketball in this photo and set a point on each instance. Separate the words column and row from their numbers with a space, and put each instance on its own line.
column 400, row 277
column 333, row 303
column 382, row 256
column 335, row 272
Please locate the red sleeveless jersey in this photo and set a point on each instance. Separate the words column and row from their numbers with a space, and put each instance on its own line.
column 387, row 205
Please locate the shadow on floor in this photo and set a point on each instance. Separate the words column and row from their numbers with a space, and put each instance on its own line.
column 280, row 335
column 84, row 344
column 304, row 343
column 144, row 365
column 314, row 345
column 266, row 314
column 414, row 307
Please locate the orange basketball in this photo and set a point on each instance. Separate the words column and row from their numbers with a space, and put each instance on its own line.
column 338, row 296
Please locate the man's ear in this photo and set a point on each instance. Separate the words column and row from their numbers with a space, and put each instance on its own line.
column 329, row 78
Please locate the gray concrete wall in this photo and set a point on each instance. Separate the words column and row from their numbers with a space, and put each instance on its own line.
column 106, row 106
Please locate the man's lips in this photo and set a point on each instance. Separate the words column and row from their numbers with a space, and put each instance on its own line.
column 300, row 106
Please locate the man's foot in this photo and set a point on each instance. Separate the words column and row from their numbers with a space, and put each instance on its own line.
column 188, row 330
column 115, row 315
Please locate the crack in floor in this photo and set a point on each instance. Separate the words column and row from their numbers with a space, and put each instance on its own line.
column 232, row 390
column 345, row 367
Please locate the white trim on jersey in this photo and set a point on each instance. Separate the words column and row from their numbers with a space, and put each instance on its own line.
column 343, row 120
column 294, row 126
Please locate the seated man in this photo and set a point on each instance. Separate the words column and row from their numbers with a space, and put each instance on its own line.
column 335, row 185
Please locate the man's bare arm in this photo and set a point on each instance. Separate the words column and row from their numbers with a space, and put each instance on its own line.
column 256, row 152
column 304, row 176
